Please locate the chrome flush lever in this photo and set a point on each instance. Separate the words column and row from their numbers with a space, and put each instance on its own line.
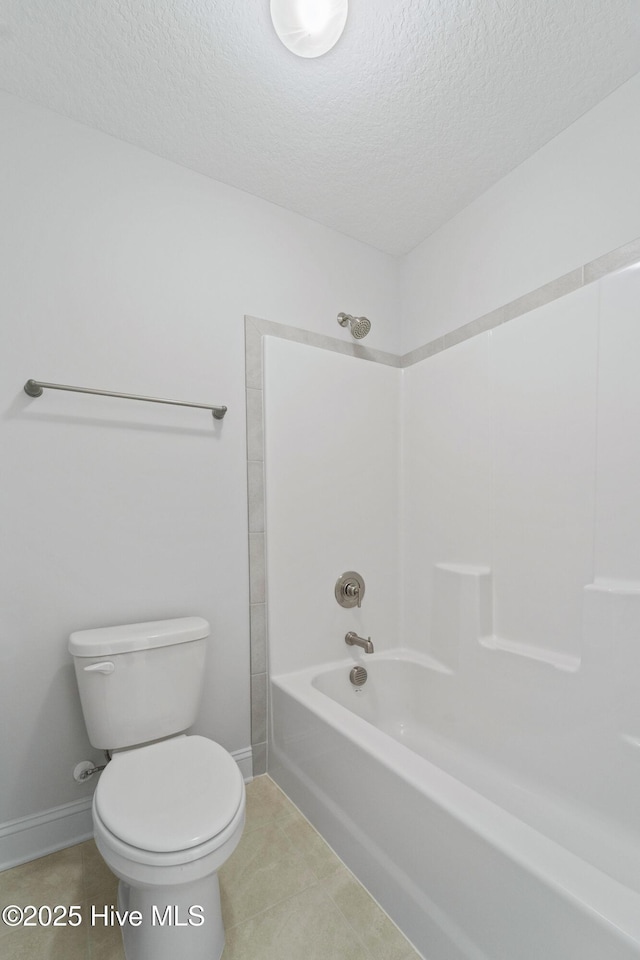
column 106, row 666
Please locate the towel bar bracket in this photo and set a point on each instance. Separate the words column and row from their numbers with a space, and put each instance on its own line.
column 33, row 389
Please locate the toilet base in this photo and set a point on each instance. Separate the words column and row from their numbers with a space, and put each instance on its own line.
column 182, row 921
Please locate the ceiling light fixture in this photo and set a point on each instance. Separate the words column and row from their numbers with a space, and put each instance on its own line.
column 309, row 28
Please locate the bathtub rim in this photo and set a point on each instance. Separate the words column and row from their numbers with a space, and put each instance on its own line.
column 591, row 890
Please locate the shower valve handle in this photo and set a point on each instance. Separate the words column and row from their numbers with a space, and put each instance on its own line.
column 349, row 589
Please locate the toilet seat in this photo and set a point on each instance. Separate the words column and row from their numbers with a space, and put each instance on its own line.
column 169, row 802
column 134, row 865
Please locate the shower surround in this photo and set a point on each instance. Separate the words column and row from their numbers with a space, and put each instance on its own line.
column 487, row 493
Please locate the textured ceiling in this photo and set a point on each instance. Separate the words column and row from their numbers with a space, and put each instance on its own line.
column 421, row 107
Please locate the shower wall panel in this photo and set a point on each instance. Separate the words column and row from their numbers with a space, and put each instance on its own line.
column 332, row 493
column 520, row 457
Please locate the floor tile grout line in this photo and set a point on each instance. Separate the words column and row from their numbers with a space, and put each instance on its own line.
column 345, row 867
column 317, row 881
column 277, row 903
column 265, row 823
column 295, row 854
column 409, row 945
column 328, row 898
column 319, row 835
column 353, row 930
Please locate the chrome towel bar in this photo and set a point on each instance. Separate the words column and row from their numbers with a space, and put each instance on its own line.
column 34, row 388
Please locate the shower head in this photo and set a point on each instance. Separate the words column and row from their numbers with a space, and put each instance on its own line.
column 359, row 326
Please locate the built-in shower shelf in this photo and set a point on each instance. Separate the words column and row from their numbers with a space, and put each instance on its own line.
column 561, row 661
column 619, row 587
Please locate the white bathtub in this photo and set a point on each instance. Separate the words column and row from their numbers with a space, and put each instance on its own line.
column 477, row 843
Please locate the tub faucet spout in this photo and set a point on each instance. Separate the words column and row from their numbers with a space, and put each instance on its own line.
column 355, row 641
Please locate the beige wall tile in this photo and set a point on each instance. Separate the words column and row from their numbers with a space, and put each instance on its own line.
column 258, row 638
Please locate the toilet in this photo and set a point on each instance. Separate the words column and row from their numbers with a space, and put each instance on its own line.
column 169, row 807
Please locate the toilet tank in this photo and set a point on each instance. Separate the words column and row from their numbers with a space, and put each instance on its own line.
column 140, row 681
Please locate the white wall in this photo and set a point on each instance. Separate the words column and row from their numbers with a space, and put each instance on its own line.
column 123, row 271
column 574, row 200
column 332, row 501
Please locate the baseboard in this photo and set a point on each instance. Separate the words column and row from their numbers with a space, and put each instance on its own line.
column 244, row 759
column 28, row 838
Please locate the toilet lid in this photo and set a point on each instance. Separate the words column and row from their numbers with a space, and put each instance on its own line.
column 170, row 795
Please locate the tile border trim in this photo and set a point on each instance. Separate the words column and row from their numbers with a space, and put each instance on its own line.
column 624, row 256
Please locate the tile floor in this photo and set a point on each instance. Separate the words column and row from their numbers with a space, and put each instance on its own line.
column 285, row 896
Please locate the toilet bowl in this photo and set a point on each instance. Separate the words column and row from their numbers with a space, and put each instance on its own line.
column 166, row 817
column 169, row 807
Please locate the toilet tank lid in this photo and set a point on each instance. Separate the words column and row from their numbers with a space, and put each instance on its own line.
column 128, row 637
